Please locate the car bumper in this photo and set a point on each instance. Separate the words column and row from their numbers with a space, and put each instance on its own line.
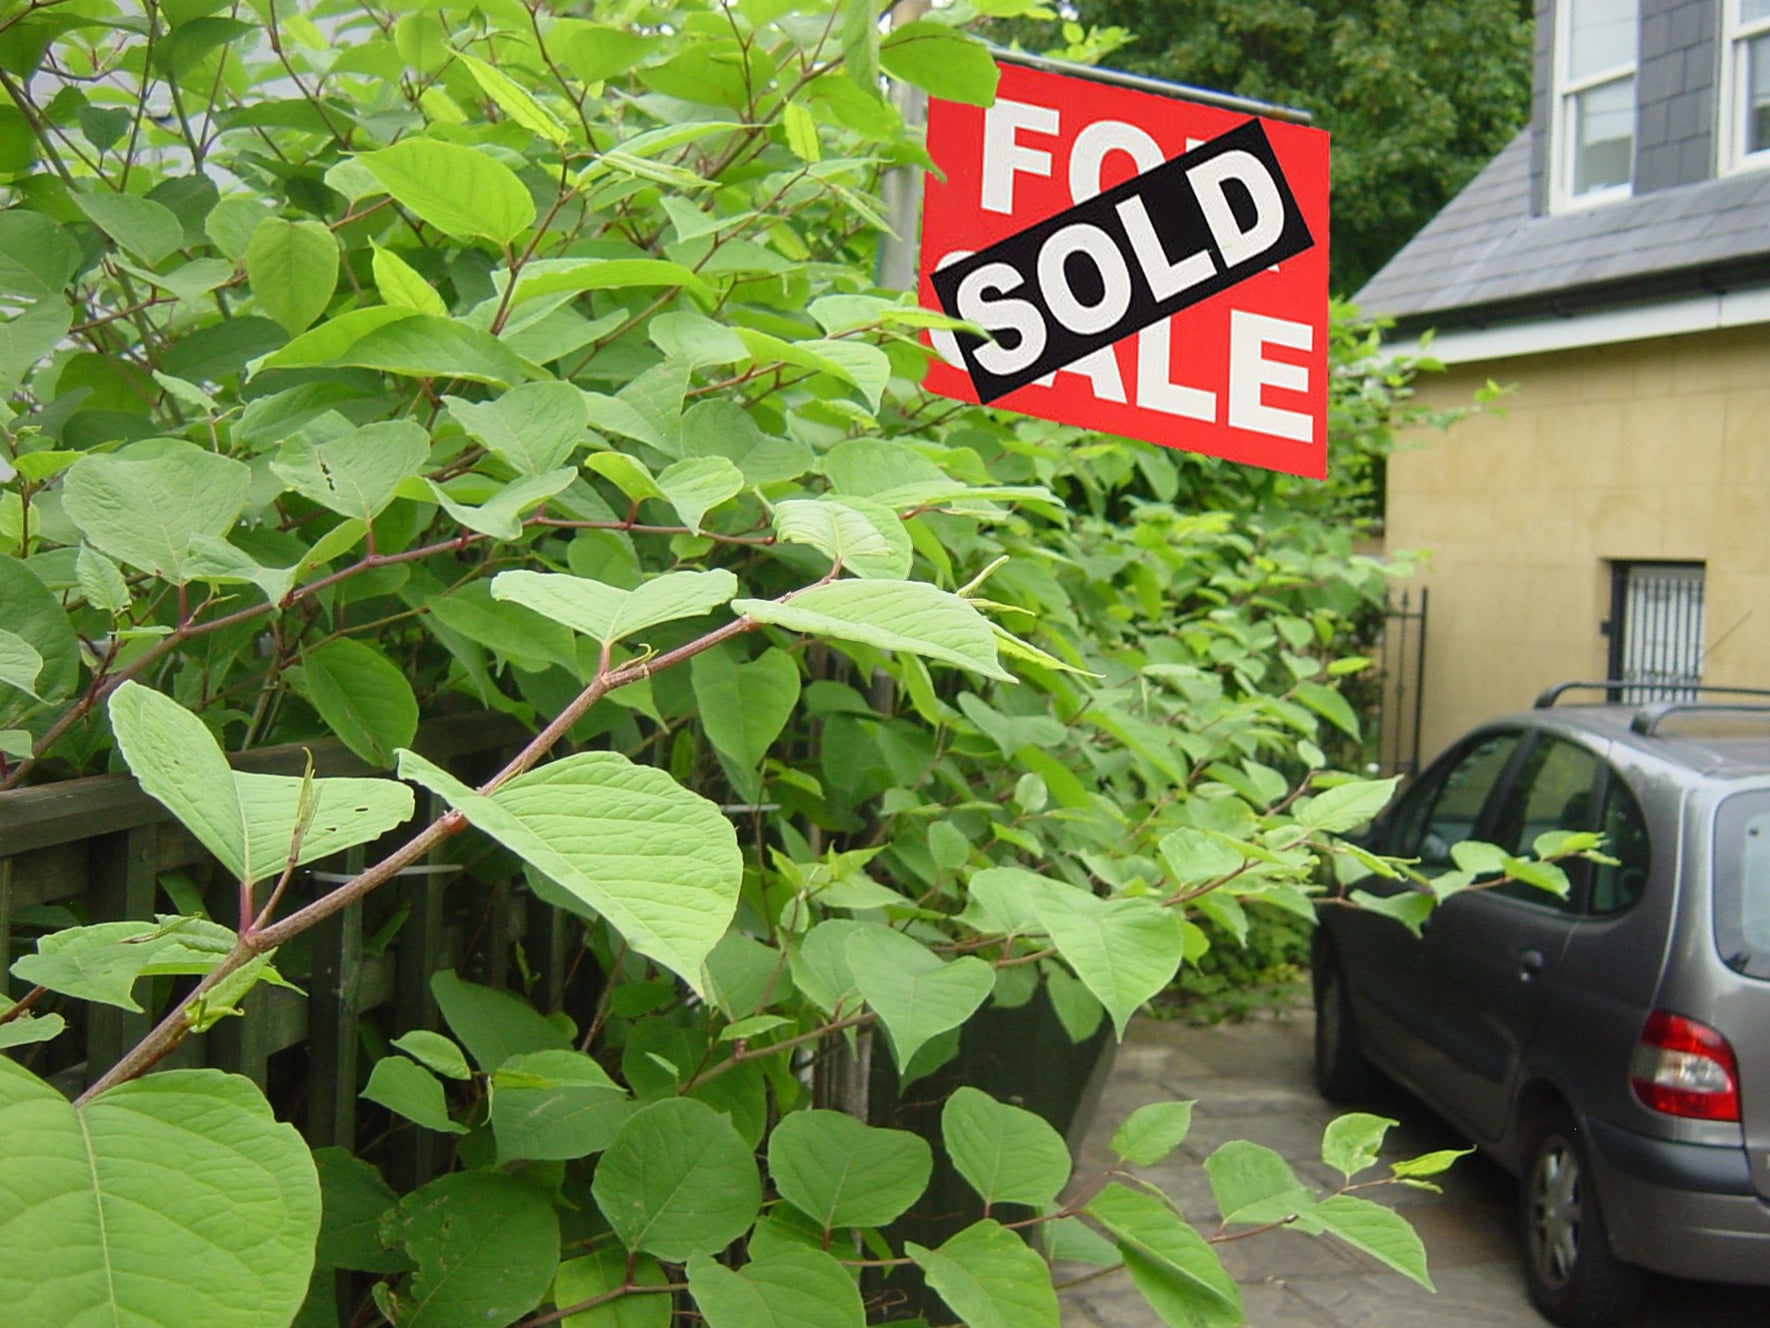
column 1689, row 1210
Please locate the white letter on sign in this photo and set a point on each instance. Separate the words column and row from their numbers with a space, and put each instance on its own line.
column 1006, row 315
column 1165, row 279
column 1115, row 278
column 1250, row 373
column 1235, row 244
column 1100, row 138
column 1002, row 156
column 1156, row 388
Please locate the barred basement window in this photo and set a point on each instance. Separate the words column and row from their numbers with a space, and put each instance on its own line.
column 1656, row 630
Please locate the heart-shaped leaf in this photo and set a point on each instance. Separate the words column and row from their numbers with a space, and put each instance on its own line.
column 175, row 1201
column 916, row 994
column 607, row 614
column 845, row 1173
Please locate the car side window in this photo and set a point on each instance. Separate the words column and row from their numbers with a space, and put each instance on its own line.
column 1553, row 792
column 1615, row 888
column 1445, row 811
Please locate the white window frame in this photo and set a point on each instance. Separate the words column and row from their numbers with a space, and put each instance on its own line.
column 1564, row 124
column 1736, row 37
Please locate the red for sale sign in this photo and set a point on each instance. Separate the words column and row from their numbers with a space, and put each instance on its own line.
column 1145, row 266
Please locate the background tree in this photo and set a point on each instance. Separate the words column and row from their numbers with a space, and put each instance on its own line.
column 1418, row 94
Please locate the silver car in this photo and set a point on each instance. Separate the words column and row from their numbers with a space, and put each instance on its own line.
column 1612, row 1049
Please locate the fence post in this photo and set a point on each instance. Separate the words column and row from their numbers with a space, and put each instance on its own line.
column 334, row 1003
column 123, row 875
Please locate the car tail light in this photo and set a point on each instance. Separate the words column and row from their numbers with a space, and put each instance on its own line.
column 1684, row 1068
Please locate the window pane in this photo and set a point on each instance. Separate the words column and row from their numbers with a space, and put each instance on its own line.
column 1750, row 11
column 1604, row 136
column 1553, row 792
column 1757, row 105
column 1615, row 888
column 1601, row 35
column 1456, row 803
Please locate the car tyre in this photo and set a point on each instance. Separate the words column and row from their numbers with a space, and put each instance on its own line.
column 1342, row 1074
column 1570, row 1271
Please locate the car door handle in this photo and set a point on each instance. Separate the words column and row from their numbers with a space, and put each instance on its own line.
column 1530, row 963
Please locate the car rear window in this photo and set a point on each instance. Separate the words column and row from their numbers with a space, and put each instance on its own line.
column 1742, row 883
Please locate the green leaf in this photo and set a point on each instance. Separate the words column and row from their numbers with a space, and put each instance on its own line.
column 801, row 131
column 1125, row 950
column 697, row 485
column 184, row 1170
column 678, row 1181
column 1330, row 705
column 145, row 228
column 594, row 52
column 605, row 1270
column 890, row 615
column 563, row 275
column 1012, row 732
column 494, row 1025
column 37, row 257
column 146, row 504
column 293, row 268
column 102, row 962
column 149, row 501
column 33, row 613
column 355, row 1199
column 744, row 707
column 1372, row 1229
column 403, row 286
column 1007, row 1154
column 26, row 339
column 844, row 1173
column 357, row 473
column 788, row 1288
column 721, row 428
column 415, row 346
column 1350, row 1143
column 606, row 614
column 535, row 427
column 408, row 1089
column 555, row 1105
column 30, row 1029
column 501, row 515
column 990, row 1278
column 466, row 194
column 866, row 538
column 246, row 820
column 514, row 100
column 942, row 61
column 1152, row 1132
column 21, row 665
column 1252, row 1183
column 1170, row 1263
column 332, row 338
column 434, row 1052
column 362, row 698
column 515, row 633
column 1428, row 1164
column 660, row 864
column 1346, row 806
column 486, row 1245
column 629, row 475
column 916, row 994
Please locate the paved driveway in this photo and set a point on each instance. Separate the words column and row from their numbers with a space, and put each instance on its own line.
column 1252, row 1081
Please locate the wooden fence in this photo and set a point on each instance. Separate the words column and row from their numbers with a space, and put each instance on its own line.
column 99, row 849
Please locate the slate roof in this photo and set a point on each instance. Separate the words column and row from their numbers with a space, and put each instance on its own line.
column 1485, row 258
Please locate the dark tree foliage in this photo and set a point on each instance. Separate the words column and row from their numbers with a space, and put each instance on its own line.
column 1418, row 94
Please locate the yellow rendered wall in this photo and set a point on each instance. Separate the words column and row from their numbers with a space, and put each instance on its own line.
column 1647, row 450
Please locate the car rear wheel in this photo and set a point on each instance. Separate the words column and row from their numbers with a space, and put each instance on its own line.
column 1341, row 1071
column 1569, row 1269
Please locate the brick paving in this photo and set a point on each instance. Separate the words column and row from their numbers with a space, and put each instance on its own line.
column 1252, row 1081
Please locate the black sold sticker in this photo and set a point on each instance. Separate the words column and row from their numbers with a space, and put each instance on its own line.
column 1110, row 266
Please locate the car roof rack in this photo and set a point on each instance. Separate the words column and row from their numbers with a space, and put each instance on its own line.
column 1549, row 696
column 1647, row 719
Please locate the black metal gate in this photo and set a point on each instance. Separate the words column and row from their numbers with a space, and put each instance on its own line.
column 1403, row 683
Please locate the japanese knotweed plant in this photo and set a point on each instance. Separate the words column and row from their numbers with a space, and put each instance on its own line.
column 364, row 362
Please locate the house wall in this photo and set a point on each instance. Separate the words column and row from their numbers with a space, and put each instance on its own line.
column 1647, row 450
